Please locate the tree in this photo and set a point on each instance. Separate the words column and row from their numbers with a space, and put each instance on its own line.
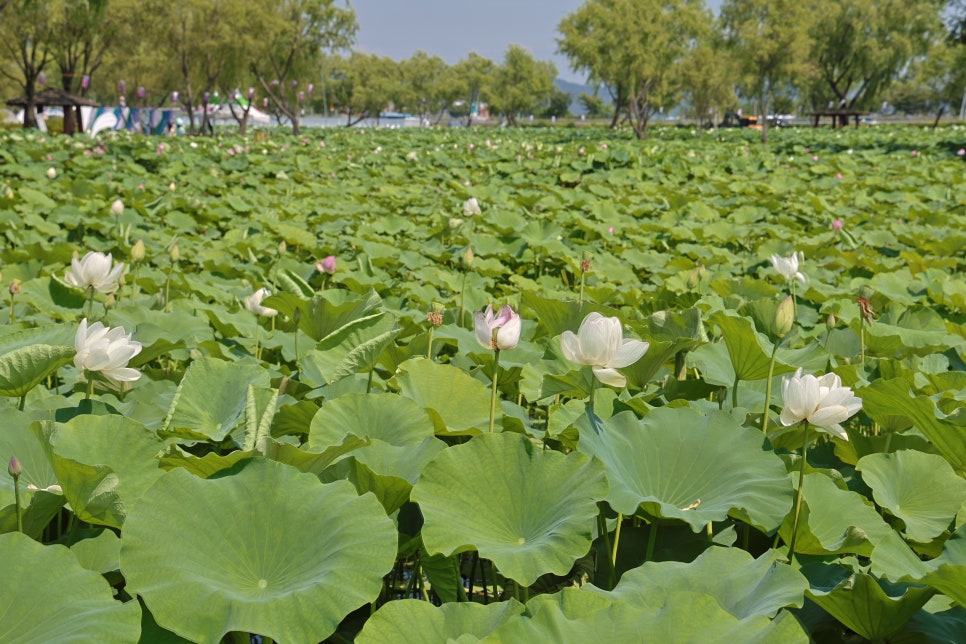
column 708, row 78
column 859, row 47
column 425, row 89
column 769, row 39
column 25, row 34
column 558, row 105
column 295, row 34
column 364, row 85
column 470, row 78
column 521, row 84
column 593, row 105
column 635, row 47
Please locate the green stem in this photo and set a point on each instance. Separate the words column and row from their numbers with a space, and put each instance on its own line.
column 16, row 501
column 462, row 299
column 798, row 496
column 580, row 298
column 134, row 285
column 23, row 401
column 11, row 308
column 525, row 591
column 862, row 340
column 651, row 541
column 90, row 385
column 167, row 288
column 296, row 348
column 734, row 393
column 617, row 538
column 429, row 346
column 493, row 392
column 90, row 302
column 771, row 374
column 369, row 382
column 602, row 529
column 256, row 336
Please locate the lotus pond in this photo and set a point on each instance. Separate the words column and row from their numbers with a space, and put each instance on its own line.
column 344, row 456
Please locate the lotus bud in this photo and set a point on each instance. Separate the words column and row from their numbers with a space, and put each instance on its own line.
column 585, row 263
column 455, row 222
column 327, row 265
column 785, row 317
column 14, row 469
column 175, row 254
column 9, row 192
column 468, row 256
column 137, row 251
column 282, row 247
column 14, row 287
column 830, row 321
column 51, row 173
column 117, row 208
column 110, row 301
column 171, row 186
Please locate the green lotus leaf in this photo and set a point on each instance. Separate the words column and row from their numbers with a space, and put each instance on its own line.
column 211, row 400
column 873, row 608
column 921, row 489
column 100, row 552
column 457, row 402
column 750, row 351
column 892, row 398
column 677, row 463
column 896, row 561
column 24, row 368
column 411, row 620
column 46, row 596
column 833, row 520
column 273, row 551
column 742, row 585
column 355, row 348
column 529, row 511
column 326, row 312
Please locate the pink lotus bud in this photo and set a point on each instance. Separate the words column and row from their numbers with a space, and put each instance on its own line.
column 327, row 265
column 838, row 176
column 814, row 158
column 961, row 151
column 837, row 224
column 14, row 469
column 611, row 230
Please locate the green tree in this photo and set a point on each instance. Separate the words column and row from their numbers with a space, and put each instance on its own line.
column 469, row 80
column 25, row 38
column 521, row 84
column 594, row 105
column 708, row 77
column 558, row 105
column 425, row 89
column 294, row 36
column 859, row 47
column 769, row 39
column 636, row 47
column 364, row 85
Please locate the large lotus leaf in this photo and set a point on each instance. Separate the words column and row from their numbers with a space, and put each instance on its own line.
column 872, row 608
column 684, row 616
column 57, row 335
column 103, row 463
column 894, row 560
column 680, row 464
column 211, row 399
column 355, row 348
column 921, row 489
column 272, row 551
column 100, row 552
column 892, row 398
column 529, row 511
column 326, row 312
column 412, row 620
column 46, row 596
column 749, row 350
column 833, row 520
column 556, row 316
column 457, row 402
column 742, row 585
column 24, row 368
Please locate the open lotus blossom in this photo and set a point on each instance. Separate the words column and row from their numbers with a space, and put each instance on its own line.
column 787, row 267
column 254, row 303
column 600, row 343
column 497, row 332
column 471, row 207
column 106, row 350
column 821, row 400
column 94, row 270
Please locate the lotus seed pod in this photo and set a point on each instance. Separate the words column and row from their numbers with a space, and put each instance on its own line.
column 15, row 287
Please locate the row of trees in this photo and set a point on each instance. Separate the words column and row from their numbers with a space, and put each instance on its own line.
column 846, row 53
column 646, row 54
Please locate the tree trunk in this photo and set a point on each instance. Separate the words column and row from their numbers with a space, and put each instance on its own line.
column 29, row 118
column 939, row 115
column 764, row 112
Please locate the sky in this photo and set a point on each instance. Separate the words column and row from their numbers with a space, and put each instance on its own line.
column 451, row 29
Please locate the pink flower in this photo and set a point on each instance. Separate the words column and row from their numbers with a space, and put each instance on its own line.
column 327, row 265
column 837, row 224
column 580, row 151
column 915, row 153
column 838, row 176
column 603, row 146
column 961, row 151
column 611, row 230
column 814, row 158
column 497, row 332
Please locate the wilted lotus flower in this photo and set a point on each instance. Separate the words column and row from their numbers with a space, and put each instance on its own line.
column 787, row 267
column 94, row 271
column 117, row 208
column 254, row 303
column 471, row 207
column 51, row 173
column 498, row 332
column 106, row 350
column 822, row 401
column 600, row 343
column 327, row 265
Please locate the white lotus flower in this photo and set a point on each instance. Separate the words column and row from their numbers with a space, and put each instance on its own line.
column 497, row 332
column 51, row 173
column 106, row 350
column 787, row 267
column 822, row 401
column 94, row 270
column 117, row 208
column 600, row 343
column 254, row 303
column 471, row 207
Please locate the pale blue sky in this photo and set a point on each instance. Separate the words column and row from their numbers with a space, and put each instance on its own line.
column 451, row 29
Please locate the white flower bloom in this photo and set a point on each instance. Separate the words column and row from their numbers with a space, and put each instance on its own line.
column 107, row 350
column 471, row 207
column 822, row 401
column 117, row 208
column 51, row 173
column 787, row 267
column 600, row 343
column 254, row 303
column 94, row 271
column 497, row 331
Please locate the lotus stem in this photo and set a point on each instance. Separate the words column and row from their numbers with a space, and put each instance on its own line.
column 771, row 375
column 798, row 496
column 462, row 298
column 734, row 393
column 651, row 541
column 493, row 392
column 90, row 302
column 90, row 385
column 862, row 340
column 16, row 501
column 134, row 283
column 602, row 529
column 11, row 308
column 256, row 338
column 23, row 401
column 617, row 538
column 580, row 297
column 429, row 344
column 369, row 382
